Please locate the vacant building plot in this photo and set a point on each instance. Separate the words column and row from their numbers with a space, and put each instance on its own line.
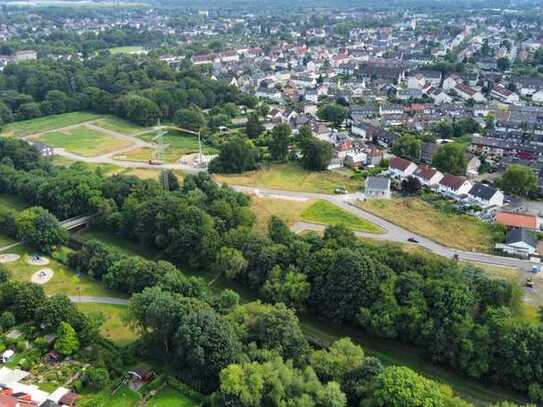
column 47, row 123
column 83, row 141
column 119, row 125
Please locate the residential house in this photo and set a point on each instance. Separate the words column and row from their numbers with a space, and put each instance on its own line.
column 401, row 168
column 428, row 176
column 485, row 196
column 269, row 93
column 427, row 152
column 504, row 95
column 466, row 92
column 377, row 187
column 454, row 186
column 472, row 165
column 374, row 156
column 355, row 158
column 519, row 242
column 518, row 220
column 537, row 97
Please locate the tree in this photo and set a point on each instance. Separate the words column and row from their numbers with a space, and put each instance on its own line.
column 96, row 378
column 253, row 127
column 402, row 387
column 333, row 113
column 67, row 342
column 237, row 155
column 450, row 158
column 411, row 185
column 138, row 109
column 7, row 320
column 230, row 262
column 337, row 362
column 287, row 286
column 518, row 180
column 39, row 229
column 205, row 343
column 169, row 179
column 279, row 142
column 191, row 119
column 503, row 64
column 407, row 146
column 317, row 154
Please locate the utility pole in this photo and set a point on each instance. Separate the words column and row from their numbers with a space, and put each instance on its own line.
column 200, row 148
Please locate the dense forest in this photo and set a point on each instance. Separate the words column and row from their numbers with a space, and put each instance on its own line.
column 454, row 313
column 141, row 89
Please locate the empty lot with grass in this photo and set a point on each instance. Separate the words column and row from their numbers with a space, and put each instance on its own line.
column 113, row 327
column 119, row 125
column 458, row 231
column 292, row 177
column 83, row 141
column 326, row 213
column 43, row 124
column 288, row 211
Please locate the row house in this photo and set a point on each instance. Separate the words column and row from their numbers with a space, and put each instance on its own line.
column 504, row 95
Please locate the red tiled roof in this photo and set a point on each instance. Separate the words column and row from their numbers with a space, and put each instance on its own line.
column 399, row 163
column 425, row 172
column 8, row 401
column 516, row 220
column 452, row 181
column 466, row 89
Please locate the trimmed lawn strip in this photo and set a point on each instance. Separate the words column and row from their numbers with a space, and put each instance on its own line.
column 83, row 141
column 129, row 49
column 287, row 210
column 119, row 125
column 292, row 177
column 113, row 327
column 326, row 213
column 170, row 397
column 458, row 231
column 47, row 123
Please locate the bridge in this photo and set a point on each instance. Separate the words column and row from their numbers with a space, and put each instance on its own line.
column 76, row 222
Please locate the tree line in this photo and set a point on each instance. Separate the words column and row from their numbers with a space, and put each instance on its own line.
column 455, row 314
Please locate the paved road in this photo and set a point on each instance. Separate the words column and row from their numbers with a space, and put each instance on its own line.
column 393, row 232
column 98, row 300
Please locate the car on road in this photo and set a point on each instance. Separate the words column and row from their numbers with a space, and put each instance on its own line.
column 412, row 240
column 529, row 283
column 340, row 190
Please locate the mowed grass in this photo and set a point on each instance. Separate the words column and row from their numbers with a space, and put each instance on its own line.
column 326, row 213
column 83, row 141
column 130, row 49
column 119, row 125
column 113, row 327
column 64, row 280
column 458, row 231
column 12, row 202
column 177, row 144
column 43, row 124
column 124, row 397
column 169, row 397
column 292, row 177
column 288, row 211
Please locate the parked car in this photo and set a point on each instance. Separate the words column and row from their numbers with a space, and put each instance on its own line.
column 7, row 355
column 412, row 240
column 340, row 190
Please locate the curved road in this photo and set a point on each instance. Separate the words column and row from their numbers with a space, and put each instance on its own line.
column 392, row 233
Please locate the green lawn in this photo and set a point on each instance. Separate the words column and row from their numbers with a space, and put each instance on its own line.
column 170, row 397
column 131, row 49
column 12, row 202
column 124, row 397
column 326, row 213
column 178, row 144
column 113, row 328
column 83, row 141
column 64, row 281
column 47, row 123
column 292, row 177
column 119, row 125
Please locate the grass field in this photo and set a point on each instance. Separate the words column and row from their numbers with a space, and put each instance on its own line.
column 178, row 144
column 12, row 202
column 47, row 123
column 459, row 231
column 113, row 328
column 119, row 125
column 64, row 281
column 287, row 210
column 170, row 397
column 131, row 49
column 326, row 213
column 292, row 177
column 83, row 141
